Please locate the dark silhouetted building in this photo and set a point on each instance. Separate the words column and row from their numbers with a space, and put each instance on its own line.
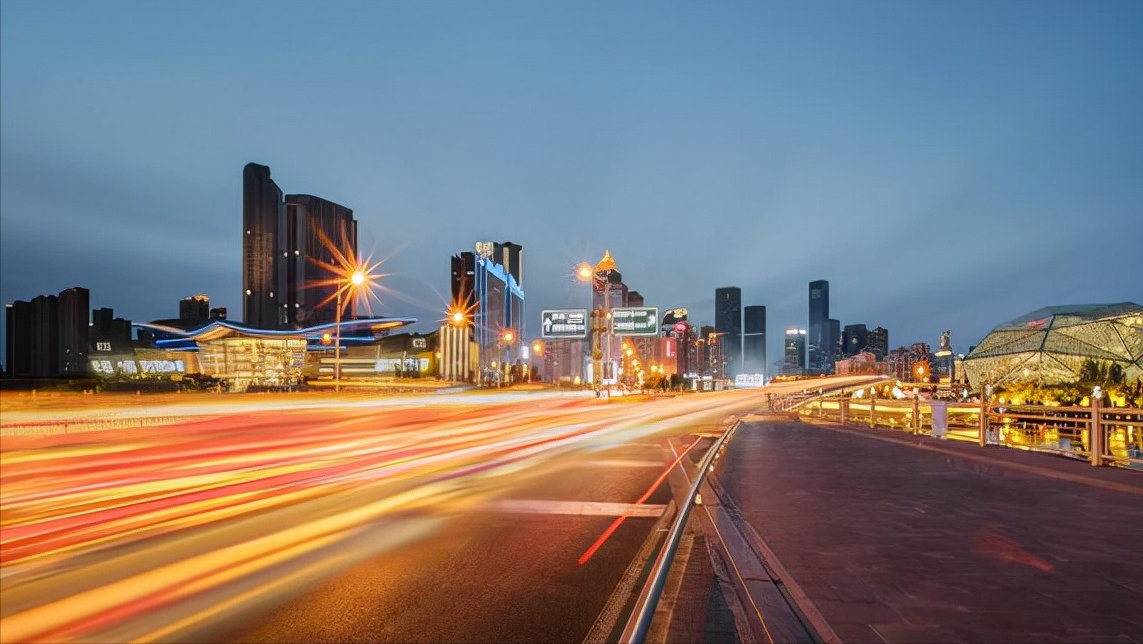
column 878, row 343
column 218, row 313
column 463, row 281
column 728, row 321
column 314, row 233
column 195, row 308
column 855, row 338
column 19, row 341
column 634, row 298
column 261, row 214
column 288, row 251
column 45, row 336
column 109, row 334
column 511, row 257
column 817, row 340
column 754, row 340
column 49, row 336
column 835, row 344
column 74, row 326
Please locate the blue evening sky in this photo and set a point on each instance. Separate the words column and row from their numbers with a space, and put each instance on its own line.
column 945, row 165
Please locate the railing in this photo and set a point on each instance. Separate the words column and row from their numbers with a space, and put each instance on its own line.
column 644, row 610
column 1068, row 431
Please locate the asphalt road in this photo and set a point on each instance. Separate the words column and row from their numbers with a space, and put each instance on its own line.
column 432, row 518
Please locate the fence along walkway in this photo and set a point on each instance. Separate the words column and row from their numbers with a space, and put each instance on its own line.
column 1067, row 431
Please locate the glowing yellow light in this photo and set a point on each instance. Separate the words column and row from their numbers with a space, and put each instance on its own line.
column 358, row 278
column 457, row 317
column 584, row 272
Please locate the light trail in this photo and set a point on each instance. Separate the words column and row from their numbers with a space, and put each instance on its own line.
column 586, row 556
column 155, row 532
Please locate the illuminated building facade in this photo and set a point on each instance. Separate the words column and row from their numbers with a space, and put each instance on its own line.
column 243, row 357
column 1052, row 345
column 494, row 302
column 795, row 353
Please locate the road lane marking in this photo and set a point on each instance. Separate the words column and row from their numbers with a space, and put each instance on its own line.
column 580, row 508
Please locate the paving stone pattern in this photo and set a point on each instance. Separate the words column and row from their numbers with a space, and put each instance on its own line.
column 894, row 543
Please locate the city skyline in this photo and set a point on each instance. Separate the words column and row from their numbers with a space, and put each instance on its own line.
column 968, row 138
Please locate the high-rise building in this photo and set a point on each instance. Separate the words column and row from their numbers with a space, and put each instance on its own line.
column 795, row 362
column 45, row 336
column 463, row 281
column 728, row 321
column 109, row 334
column 511, row 257
column 195, row 308
column 878, row 343
column 634, row 298
column 817, row 340
column 287, row 257
column 855, row 338
column 834, row 342
column 261, row 215
column 74, row 326
column 494, row 303
column 754, row 340
column 609, row 292
column 19, row 339
column 316, row 234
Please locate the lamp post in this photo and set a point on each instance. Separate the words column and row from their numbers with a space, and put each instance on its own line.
column 506, row 338
column 537, row 350
column 586, row 273
column 356, row 279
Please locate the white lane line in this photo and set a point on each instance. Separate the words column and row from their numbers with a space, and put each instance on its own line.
column 581, row 508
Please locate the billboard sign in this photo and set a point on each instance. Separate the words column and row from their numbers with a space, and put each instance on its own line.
column 556, row 324
column 635, row 320
column 749, row 380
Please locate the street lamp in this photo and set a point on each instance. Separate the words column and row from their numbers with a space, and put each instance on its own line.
column 354, row 282
column 589, row 274
column 537, row 350
column 506, row 338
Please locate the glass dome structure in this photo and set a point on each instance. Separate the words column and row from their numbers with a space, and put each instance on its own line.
column 1050, row 345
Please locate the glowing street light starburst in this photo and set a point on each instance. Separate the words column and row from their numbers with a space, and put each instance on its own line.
column 352, row 276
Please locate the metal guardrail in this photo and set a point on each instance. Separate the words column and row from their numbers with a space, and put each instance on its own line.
column 644, row 611
column 1068, row 431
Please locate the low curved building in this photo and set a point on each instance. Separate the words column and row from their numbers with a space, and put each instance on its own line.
column 1050, row 345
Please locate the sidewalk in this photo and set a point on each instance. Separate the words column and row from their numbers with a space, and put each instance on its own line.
column 898, row 538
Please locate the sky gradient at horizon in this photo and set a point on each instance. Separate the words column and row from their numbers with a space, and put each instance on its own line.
column 943, row 165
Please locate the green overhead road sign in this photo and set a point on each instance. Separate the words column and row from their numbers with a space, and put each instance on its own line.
column 563, row 323
column 635, row 320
